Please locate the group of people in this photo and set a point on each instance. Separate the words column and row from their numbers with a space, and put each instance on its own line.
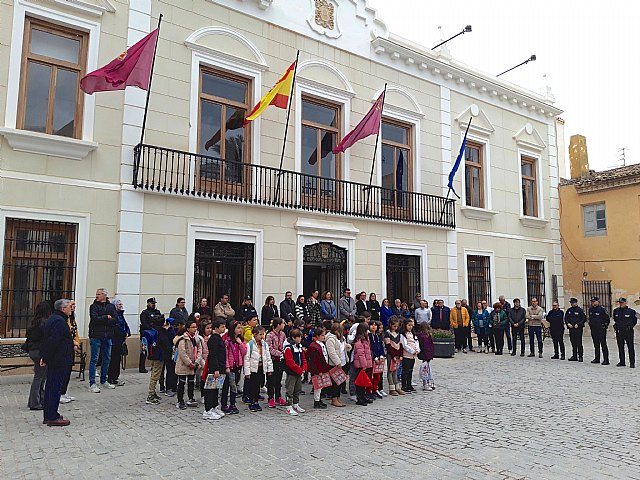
column 228, row 353
column 231, row 355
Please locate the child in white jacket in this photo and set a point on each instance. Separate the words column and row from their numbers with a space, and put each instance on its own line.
column 410, row 351
column 257, row 363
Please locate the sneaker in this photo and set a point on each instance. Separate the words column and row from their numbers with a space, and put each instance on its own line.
column 464, row 350
column 246, row 400
column 378, row 394
column 219, row 411
column 254, row 407
column 227, row 410
column 383, row 393
column 192, row 402
column 162, row 389
column 428, row 388
column 263, row 390
column 94, row 388
column 319, row 404
column 234, row 410
column 65, row 399
column 181, row 406
column 119, row 383
column 353, row 398
column 298, row 408
column 281, row 402
column 210, row 415
column 292, row 411
column 260, row 397
column 272, row 403
column 152, row 400
column 108, row 385
column 414, row 384
column 170, row 393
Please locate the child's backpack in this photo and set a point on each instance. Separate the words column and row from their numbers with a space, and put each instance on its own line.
column 150, row 342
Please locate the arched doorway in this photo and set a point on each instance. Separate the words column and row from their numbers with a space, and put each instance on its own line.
column 324, row 268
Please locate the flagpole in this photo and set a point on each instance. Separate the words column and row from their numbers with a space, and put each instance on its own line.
column 153, row 62
column 286, row 127
column 375, row 149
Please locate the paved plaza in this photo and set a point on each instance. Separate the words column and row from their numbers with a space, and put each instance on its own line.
column 490, row 417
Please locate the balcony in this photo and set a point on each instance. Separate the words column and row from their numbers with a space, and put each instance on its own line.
column 181, row 173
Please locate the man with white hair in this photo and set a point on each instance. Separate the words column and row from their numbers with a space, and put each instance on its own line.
column 56, row 353
column 103, row 319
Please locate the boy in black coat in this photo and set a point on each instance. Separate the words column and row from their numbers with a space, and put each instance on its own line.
column 216, row 366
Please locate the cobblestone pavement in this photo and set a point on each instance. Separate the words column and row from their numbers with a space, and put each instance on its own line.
column 490, row 417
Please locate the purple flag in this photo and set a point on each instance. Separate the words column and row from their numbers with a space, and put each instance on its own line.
column 369, row 125
column 131, row 68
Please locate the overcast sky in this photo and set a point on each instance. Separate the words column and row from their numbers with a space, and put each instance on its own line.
column 590, row 52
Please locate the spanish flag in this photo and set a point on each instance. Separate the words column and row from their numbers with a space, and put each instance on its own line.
column 278, row 95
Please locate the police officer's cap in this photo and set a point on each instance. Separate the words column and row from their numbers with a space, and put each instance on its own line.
column 151, row 300
column 573, row 300
column 247, row 297
column 622, row 300
column 595, row 299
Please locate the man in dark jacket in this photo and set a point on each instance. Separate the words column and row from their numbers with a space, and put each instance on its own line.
column 575, row 320
column 598, row 324
column 440, row 316
column 179, row 313
column 56, row 353
column 555, row 317
column 288, row 307
column 625, row 319
column 506, row 306
column 517, row 319
column 148, row 317
column 247, row 310
column 216, row 366
column 103, row 320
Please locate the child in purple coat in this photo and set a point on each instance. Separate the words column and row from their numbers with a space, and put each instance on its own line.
column 426, row 355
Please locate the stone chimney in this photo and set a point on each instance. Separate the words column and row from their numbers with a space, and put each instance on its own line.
column 578, row 156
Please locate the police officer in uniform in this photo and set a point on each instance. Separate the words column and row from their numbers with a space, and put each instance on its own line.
column 599, row 323
column 247, row 310
column 624, row 320
column 575, row 319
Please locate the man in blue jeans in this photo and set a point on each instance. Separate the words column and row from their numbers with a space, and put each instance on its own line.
column 103, row 319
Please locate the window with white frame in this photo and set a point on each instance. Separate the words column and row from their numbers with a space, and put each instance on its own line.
column 474, row 175
column 595, row 220
column 529, row 174
column 53, row 62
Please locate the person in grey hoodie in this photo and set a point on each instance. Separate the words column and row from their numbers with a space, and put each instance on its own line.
column 535, row 314
column 517, row 318
column 346, row 306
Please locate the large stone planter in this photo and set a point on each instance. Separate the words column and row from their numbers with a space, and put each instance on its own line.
column 443, row 347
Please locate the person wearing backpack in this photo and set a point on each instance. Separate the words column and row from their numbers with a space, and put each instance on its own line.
column 257, row 363
column 187, row 357
column 151, row 340
column 275, row 340
column 295, row 364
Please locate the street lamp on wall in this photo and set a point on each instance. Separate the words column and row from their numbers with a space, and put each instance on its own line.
column 532, row 58
column 466, row 29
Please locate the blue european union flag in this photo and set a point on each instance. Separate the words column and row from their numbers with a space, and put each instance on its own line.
column 456, row 165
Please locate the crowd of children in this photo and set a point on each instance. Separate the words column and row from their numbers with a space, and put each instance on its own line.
column 226, row 359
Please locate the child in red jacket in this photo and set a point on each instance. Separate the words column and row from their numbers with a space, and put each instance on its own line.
column 318, row 361
column 295, row 364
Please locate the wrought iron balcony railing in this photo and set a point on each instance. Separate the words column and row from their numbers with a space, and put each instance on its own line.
column 176, row 172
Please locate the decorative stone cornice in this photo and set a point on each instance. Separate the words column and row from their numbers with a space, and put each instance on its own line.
column 53, row 145
column 458, row 75
column 95, row 8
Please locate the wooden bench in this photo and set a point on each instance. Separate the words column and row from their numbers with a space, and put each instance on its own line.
column 13, row 357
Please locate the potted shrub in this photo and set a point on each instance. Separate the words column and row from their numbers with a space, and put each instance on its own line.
column 443, row 344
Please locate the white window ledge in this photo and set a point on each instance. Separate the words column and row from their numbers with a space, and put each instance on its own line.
column 56, row 146
column 533, row 222
column 478, row 213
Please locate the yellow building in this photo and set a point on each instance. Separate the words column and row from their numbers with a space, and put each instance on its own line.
column 600, row 230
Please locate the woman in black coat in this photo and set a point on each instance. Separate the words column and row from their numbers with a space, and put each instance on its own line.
column 373, row 307
column 269, row 311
